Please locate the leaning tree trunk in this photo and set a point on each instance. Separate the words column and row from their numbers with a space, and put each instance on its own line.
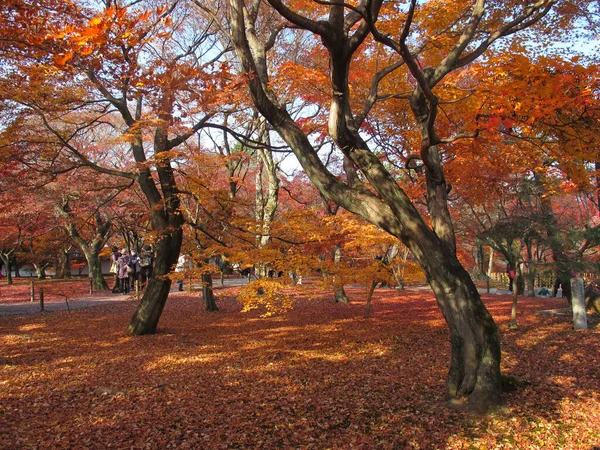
column 145, row 320
column 474, row 375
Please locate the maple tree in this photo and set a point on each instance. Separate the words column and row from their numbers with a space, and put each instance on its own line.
column 131, row 76
column 464, row 32
column 416, row 100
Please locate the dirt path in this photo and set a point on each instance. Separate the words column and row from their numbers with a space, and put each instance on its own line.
column 27, row 308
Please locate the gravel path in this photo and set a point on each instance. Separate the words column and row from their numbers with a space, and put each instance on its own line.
column 26, row 308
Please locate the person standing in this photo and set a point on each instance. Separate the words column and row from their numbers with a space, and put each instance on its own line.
column 114, row 257
column 182, row 264
column 122, row 266
column 146, row 262
column 133, row 270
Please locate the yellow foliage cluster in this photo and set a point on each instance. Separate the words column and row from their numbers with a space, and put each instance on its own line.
column 266, row 294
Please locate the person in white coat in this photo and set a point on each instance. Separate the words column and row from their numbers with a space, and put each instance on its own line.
column 183, row 263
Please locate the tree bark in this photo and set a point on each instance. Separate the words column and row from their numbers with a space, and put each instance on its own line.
column 95, row 271
column 145, row 320
column 207, row 292
column 530, row 285
column 474, row 375
column 90, row 248
column 512, row 324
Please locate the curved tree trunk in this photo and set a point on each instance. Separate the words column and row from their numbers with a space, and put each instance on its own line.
column 474, row 375
column 90, row 247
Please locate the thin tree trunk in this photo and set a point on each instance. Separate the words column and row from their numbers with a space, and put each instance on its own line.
column 338, row 282
column 530, row 272
column 369, row 298
column 512, row 324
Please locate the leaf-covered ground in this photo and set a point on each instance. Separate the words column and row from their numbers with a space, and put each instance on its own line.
column 54, row 290
column 321, row 376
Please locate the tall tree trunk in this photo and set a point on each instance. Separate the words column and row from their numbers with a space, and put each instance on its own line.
column 490, row 263
column 530, row 285
column 474, row 375
column 512, row 324
column 563, row 266
column 145, row 320
column 266, row 200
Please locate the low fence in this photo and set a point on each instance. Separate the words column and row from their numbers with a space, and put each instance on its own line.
column 541, row 279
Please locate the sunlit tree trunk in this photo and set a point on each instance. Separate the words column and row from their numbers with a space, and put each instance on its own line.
column 338, row 281
column 266, row 201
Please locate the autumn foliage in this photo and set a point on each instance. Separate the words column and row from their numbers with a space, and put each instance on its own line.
column 422, row 132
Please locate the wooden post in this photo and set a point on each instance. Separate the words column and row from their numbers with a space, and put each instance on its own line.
column 42, row 299
column 32, row 298
column 137, row 289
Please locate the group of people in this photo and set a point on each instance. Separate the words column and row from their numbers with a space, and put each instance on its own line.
column 131, row 268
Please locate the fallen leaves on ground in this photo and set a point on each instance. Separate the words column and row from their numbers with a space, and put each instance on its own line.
column 54, row 290
column 320, row 376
